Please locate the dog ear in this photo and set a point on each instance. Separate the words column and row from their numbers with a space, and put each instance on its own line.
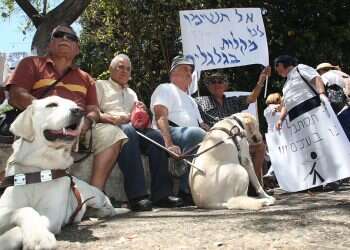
column 23, row 124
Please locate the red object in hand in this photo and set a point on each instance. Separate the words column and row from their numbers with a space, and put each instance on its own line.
column 139, row 117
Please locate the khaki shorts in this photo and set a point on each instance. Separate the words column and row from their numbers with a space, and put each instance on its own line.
column 104, row 136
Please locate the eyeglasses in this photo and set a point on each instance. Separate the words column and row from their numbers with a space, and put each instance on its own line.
column 69, row 36
column 123, row 68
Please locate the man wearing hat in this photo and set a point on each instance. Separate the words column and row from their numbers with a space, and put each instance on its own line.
column 217, row 106
column 176, row 114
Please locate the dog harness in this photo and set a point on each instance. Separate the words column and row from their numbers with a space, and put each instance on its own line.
column 233, row 133
column 45, row 176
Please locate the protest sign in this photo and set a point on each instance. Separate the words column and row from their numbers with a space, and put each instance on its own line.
column 222, row 38
column 310, row 151
column 14, row 58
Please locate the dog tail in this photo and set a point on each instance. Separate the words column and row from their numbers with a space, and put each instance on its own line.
column 244, row 202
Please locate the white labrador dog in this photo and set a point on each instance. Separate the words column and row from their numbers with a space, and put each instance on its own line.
column 228, row 167
column 31, row 214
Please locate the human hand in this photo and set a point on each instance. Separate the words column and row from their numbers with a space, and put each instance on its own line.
column 324, row 98
column 141, row 105
column 120, row 119
column 279, row 124
column 175, row 149
column 204, row 126
column 87, row 124
column 263, row 75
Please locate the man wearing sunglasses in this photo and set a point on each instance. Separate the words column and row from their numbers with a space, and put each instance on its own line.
column 217, row 106
column 32, row 78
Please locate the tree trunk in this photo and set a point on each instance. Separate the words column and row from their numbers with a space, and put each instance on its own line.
column 66, row 12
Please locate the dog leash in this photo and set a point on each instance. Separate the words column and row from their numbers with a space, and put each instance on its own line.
column 176, row 156
column 77, row 195
column 232, row 136
column 89, row 150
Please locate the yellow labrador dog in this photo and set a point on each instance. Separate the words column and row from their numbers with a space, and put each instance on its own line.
column 228, row 166
column 30, row 214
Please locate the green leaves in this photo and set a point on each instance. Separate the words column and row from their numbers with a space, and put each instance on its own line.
column 149, row 32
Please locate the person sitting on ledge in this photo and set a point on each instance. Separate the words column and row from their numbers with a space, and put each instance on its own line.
column 117, row 101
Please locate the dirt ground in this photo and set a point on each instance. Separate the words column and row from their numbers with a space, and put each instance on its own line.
column 296, row 221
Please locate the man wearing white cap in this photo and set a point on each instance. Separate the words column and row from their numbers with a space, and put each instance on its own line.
column 176, row 113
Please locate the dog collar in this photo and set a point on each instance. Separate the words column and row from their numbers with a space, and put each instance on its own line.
column 30, row 178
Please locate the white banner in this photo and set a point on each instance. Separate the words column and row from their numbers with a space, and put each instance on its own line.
column 310, row 151
column 222, row 38
column 14, row 58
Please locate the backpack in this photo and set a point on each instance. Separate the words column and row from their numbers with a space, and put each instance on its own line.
column 336, row 97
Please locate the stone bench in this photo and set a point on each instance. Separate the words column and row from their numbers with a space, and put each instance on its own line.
column 82, row 170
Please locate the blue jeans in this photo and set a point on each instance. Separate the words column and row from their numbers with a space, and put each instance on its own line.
column 130, row 164
column 186, row 138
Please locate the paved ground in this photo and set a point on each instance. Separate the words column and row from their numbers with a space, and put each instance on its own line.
column 296, row 221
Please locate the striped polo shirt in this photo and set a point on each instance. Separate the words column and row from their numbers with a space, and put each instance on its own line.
column 36, row 73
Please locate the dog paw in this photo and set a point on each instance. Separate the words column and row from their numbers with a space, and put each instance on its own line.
column 120, row 211
column 39, row 239
column 268, row 201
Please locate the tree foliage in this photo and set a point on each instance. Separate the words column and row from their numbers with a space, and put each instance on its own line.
column 149, row 32
column 44, row 18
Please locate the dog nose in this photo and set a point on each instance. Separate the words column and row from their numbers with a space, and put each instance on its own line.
column 77, row 112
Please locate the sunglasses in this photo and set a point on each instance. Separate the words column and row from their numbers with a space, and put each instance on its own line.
column 69, row 36
column 217, row 82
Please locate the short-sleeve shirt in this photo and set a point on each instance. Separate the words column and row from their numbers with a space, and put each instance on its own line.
column 295, row 90
column 212, row 111
column 335, row 77
column 182, row 108
column 271, row 116
column 114, row 99
column 36, row 73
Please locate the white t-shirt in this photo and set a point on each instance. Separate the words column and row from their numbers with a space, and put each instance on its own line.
column 182, row 108
column 295, row 90
column 271, row 116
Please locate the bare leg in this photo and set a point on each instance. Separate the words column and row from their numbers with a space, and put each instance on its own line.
column 257, row 153
column 103, row 164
